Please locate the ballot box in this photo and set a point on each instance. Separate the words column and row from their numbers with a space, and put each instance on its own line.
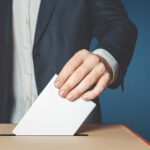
column 88, row 137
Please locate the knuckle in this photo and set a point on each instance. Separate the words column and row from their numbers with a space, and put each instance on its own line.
column 68, row 86
column 99, row 70
column 77, row 91
column 74, row 61
column 107, row 74
column 102, row 67
column 82, row 53
column 77, row 57
column 79, row 74
column 102, row 88
column 95, row 94
column 95, row 58
column 86, row 65
column 90, row 81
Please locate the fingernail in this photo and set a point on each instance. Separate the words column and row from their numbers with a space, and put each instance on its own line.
column 57, row 84
column 70, row 97
column 62, row 93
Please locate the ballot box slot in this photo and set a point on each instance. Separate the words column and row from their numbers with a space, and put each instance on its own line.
column 7, row 135
column 40, row 135
column 81, row 134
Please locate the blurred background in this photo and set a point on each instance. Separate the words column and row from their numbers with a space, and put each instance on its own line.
column 132, row 107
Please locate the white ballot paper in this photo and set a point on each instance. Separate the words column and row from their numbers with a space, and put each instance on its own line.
column 51, row 114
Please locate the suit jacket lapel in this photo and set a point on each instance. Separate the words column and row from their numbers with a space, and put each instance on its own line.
column 6, row 50
column 45, row 13
column 5, row 22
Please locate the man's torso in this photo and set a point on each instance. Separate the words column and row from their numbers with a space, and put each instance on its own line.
column 62, row 28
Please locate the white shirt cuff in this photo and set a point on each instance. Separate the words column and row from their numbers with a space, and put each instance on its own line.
column 110, row 60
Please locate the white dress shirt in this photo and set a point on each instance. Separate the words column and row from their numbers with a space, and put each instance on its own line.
column 25, row 13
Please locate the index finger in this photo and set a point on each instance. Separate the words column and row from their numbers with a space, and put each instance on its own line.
column 69, row 68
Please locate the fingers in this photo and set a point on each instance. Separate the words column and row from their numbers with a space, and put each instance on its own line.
column 78, row 75
column 87, row 82
column 70, row 67
column 99, row 88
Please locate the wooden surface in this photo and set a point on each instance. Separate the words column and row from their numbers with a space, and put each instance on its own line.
column 100, row 137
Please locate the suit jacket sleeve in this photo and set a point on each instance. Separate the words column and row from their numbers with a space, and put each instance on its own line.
column 114, row 32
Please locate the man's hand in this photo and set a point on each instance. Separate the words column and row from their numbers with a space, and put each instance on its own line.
column 80, row 73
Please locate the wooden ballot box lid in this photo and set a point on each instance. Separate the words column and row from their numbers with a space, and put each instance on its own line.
column 89, row 137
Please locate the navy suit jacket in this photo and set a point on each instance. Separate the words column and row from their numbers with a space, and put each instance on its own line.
column 63, row 28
